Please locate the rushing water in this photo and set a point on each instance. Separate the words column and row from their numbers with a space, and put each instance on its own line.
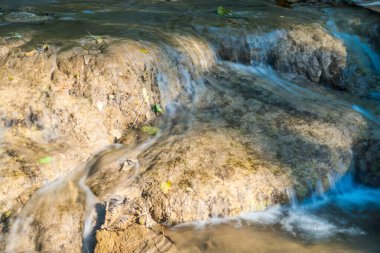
column 345, row 218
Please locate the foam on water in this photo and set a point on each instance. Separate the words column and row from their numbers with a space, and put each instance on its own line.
column 312, row 219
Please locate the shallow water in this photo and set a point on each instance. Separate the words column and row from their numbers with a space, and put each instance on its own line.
column 345, row 219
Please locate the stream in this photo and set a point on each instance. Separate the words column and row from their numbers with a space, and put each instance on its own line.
column 200, row 90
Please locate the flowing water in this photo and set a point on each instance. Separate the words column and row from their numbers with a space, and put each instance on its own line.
column 343, row 218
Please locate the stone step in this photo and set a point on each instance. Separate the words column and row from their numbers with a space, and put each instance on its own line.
column 371, row 5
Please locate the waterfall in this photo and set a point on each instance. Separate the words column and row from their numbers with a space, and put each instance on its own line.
column 363, row 50
column 292, row 197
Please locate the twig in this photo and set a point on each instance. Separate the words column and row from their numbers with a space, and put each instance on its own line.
column 137, row 116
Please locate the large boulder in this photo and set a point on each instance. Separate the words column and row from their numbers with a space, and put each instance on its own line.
column 310, row 52
column 255, row 150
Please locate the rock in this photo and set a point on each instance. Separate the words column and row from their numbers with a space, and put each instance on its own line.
column 311, row 52
column 373, row 5
column 130, row 164
column 50, row 222
column 59, row 117
column 308, row 51
column 122, row 233
column 24, row 17
column 137, row 239
column 266, row 143
column 247, row 144
column 225, row 181
column 367, row 162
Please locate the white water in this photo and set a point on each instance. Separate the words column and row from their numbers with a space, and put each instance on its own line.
column 314, row 219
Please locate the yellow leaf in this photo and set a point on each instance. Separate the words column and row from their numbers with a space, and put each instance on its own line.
column 30, row 53
column 11, row 78
column 99, row 40
column 166, row 186
column 45, row 47
column 144, row 50
column 45, row 159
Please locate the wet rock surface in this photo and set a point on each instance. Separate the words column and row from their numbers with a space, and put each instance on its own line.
column 307, row 51
column 304, row 50
column 136, row 238
column 211, row 169
column 68, row 105
column 24, row 17
column 367, row 162
column 240, row 139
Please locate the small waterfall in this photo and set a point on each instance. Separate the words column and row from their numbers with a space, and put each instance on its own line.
column 275, row 81
column 366, row 114
column 363, row 50
column 313, row 220
column 318, row 193
column 331, row 178
column 292, row 197
column 261, row 44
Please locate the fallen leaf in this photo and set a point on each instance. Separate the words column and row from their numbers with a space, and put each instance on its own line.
column 157, row 109
column 77, row 76
column 166, row 186
column 11, row 78
column 45, row 160
column 30, row 53
column 221, row 11
column 150, row 130
column 144, row 51
column 99, row 40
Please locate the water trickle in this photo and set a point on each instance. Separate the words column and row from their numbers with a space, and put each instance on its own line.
column 292, row 197
column 332, row 179
column 312, row 220
column 261, row 44
column 89, row 215
column 182, row 61
column 366, row 54
column 366, row 113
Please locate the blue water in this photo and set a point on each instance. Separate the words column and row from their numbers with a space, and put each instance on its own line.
column 363, row 51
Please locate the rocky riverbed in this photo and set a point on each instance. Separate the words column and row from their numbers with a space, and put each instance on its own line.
column 107, row 140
